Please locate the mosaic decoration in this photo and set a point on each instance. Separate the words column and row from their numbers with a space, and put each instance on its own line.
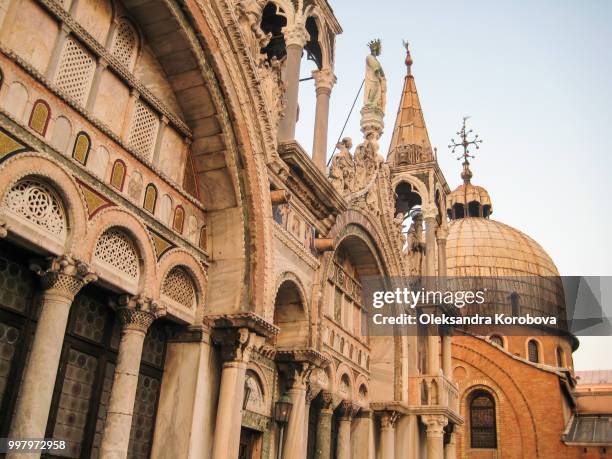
column 179, row 219
column 115, row 249
column 39, row 119
column 160, row 243
column 35, row 202
column 76, row 71
column 144, row 130
column 141, row 432
column 150, row 198
column 295, row 224
column 178, row 287
column 82, row 145
column 9, row 146
column 95, row 202
column 118, row 175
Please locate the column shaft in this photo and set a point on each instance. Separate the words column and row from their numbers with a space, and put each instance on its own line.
column 286, row 128
column 430, row 248
column 323, row 440
column 435, row 435
column 295, row 428
column 343, row 445
column 229, row 412
column 116, row 437
column 433, row 353
column 34, row 400
column 319, row 146
column 450, row 449
column 447, row 356
column 387, row 442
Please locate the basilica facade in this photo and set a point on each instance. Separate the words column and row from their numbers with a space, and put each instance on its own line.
column 180, row 278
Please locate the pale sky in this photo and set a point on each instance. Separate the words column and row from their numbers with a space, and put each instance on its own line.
column 535, row 77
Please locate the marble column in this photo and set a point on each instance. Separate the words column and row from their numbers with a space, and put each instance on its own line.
column 388, row 420
column 95, row 84
column 450, row 449
column 128, row 116
column 361, row 443
column 296, row 37
column 435, row 435
column 56, row 54
column 61, row 279
column 430, row 212
column 441, row 236
column 324, row 427
column 236, row 347
column 447, row 367
column 346, row 411
column 136, row 315
column 324, row 82
column 294, row 433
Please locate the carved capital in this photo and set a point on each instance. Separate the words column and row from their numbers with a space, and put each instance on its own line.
column 63, row 275
column 237, row 344
column 388, row 419
column 429, row 211
column 138, row 312
column 3, row 229
column 442, row 234
column 324, row 80
column 296, row 34
column 347, row 410
column 435, row 424
column 327, row 401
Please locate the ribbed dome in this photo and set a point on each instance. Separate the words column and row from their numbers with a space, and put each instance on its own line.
column 487, row 253
column 467, row 193
column 484, row 247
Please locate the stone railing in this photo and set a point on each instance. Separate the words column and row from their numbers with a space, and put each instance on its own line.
column 435, row 391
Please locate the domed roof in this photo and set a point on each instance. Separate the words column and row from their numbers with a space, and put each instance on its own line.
column 513, row 267
column 466, row 193
column 484, row 247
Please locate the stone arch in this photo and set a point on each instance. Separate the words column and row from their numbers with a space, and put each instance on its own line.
column 180, row 257
column 39, row 166
column 291, row 313
column 16, row 100
column 325, row 42
column 135, row 230
column 119, row 45
column 62, row 133
column 344, row 377
column 259, row 377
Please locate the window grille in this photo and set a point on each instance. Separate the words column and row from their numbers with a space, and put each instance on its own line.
column 143, row 133
column 532, row 351
column 482, row 421
column 179, row 287
column 75, row 71
column 115, row 249
column 124, row 43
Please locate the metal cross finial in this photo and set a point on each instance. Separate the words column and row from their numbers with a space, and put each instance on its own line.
column 464, row 142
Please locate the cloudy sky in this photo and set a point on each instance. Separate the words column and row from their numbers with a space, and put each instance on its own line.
column 535, row 78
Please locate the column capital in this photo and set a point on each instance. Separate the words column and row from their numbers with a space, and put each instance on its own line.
column 327, row 401
column 324, row 80
column 63, row 275
column 237, row 344
column 435, row 424
column 429, row 211
column 296, row 34
column 3, row 229
column 138, row 312
column 388, row 419
column 347, row 410
column 442, row 234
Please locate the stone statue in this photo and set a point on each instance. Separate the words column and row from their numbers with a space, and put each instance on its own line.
column 342, row 168
column 416, row 246
column 367, row 160
column 375, row 90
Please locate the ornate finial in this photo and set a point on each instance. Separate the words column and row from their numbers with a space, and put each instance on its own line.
column 408, row 57
column 466, row 175
column 375, row 47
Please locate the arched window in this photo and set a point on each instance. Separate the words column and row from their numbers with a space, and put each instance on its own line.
column 143, row 132
column 514, row 303
column 203, row 243
column 116, row 251
column 459, row 211
column 39, row 118
column 75, row 71
column 125, row 43
column 496, row 339
column 82, row 145
column 118, row 175
column 560, row 357
column 178, row 287
column 150, row 198
column 483, row 432
column 533, row 351
column 179, row 219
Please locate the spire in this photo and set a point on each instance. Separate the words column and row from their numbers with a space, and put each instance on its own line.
column 410, row 142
